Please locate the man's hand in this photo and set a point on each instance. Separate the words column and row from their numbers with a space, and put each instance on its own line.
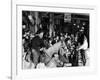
column 41, row 49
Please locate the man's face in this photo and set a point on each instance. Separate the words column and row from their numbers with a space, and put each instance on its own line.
column 41, row 34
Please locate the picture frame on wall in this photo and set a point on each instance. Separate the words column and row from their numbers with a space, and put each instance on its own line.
column 50, row 40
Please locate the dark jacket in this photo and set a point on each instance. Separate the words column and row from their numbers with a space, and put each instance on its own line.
column 37, row 43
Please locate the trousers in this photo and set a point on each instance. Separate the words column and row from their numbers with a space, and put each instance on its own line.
column 36, row 55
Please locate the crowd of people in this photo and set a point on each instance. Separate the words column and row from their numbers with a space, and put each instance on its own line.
column 51, row 47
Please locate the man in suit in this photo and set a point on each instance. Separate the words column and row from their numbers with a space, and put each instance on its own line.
column 37, row 44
